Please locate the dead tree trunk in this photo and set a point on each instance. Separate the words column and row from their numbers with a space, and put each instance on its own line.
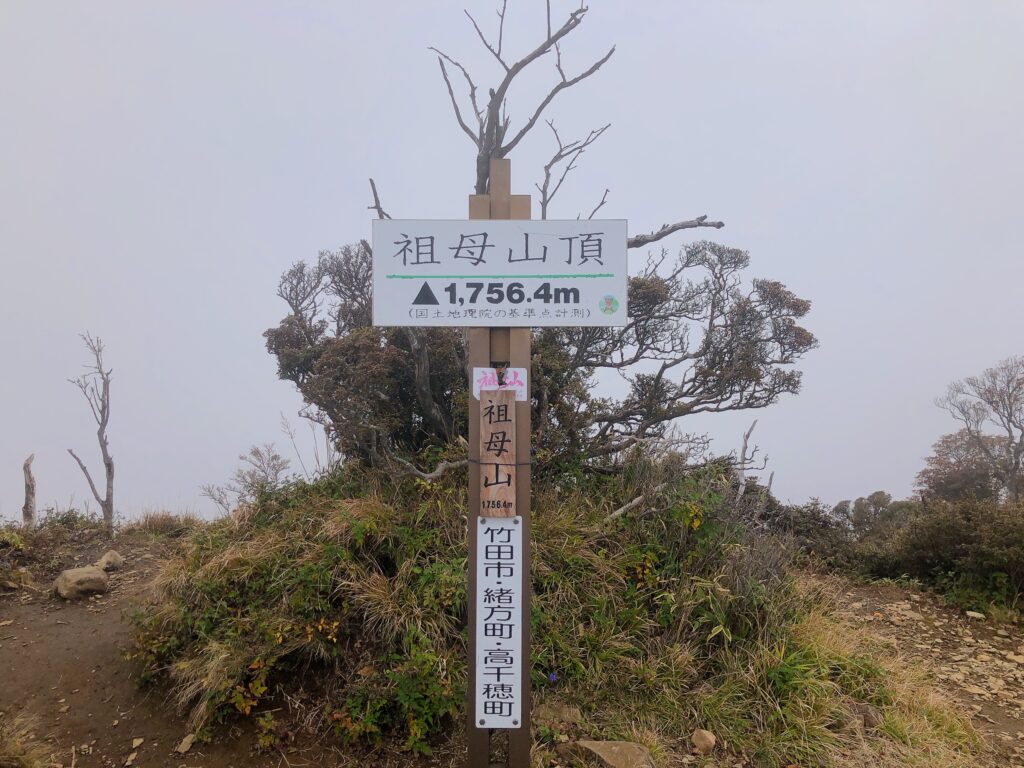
column 28, row 511
column 95, row 385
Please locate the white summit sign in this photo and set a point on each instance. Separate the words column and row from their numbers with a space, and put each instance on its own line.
column 498, row 273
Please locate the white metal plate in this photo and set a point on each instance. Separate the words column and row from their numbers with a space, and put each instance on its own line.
column 498, row 273
column 501, row 671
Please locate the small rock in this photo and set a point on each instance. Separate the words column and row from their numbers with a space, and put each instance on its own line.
column 130, row 760
column 871, row 716
column 79, row 582
column 111, row 561
column 617, row 754
column 555, row 713
column 136, row 743
column 974, row 615
column 703, row 741
column 186, row 744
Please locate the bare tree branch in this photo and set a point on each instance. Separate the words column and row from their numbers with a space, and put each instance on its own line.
column 455, row 104
column 501, row 27
column 442, row 468
column 567, row 154
column 639, row 241
column 376, row 206
column 550, row 97
column 85, row 471
column 469, row 83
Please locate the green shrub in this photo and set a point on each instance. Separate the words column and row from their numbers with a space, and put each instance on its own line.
column 352, row 588
column 973, row 550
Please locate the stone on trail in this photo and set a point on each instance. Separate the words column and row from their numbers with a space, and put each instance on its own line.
column 79, row 582
column 185, row 745
column 617, row 754
column 974, row 615
column 111, row 561
column 703, row 741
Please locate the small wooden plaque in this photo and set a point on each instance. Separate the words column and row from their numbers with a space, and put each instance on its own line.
column 497, row 453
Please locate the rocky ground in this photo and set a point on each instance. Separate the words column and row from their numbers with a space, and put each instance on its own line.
column 977, row 662
column 63, row 663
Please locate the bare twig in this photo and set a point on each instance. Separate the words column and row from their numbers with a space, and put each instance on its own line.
column 568, row 154
column 442, row 468
column 501, row 27
column 455, row 104
column 744, row 460
column 635, row 502
column 600, row 205
column 469, row 83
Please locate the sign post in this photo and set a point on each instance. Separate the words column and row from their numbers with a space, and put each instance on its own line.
column 498, row 280
column 490, row 348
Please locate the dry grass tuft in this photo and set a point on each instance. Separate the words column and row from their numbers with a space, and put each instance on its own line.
column 165, row 524
column 20, row 747
column 920, row 726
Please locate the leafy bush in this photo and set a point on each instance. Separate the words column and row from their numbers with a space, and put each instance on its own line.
column 973, row 549
column 816, row 530
column 71, row 518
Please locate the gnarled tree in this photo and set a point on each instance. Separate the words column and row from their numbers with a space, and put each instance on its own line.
column 699, row 338
column 994, row 399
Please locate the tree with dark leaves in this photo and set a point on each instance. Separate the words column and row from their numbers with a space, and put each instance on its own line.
column 700, row 338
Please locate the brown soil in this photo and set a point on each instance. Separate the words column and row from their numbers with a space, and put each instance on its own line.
column 64, row 664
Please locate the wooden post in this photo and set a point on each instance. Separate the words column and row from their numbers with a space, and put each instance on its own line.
column 500, row 347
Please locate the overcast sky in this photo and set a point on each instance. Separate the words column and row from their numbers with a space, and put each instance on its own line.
column 162, row 163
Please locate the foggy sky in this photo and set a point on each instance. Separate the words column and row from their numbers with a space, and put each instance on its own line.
column 162, row 163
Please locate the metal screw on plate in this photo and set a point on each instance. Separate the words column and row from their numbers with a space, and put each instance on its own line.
column 483, row 521
column 515, row 521
column 482, row 722
column 515, row 722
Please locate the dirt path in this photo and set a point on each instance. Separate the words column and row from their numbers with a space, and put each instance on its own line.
column 63, row 663
column 977, row 662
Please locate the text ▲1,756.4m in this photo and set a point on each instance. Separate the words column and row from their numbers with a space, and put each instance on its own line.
column 461, row 294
